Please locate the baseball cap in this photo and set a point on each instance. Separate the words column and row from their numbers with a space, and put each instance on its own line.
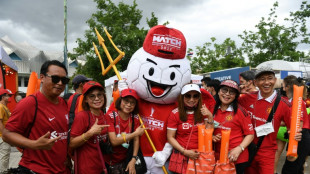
column 129, row 92
column 5, row 91
column 165, row 42
column 90, row 84
column 230, row 83
column 263, row 69
column 80, row 78
column 190, row 87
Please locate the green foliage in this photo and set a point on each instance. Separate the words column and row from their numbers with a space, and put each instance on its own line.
column 122, row 23
column 273, row 41
column 212, row 56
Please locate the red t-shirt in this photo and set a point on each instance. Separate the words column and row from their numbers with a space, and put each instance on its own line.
column 87, row 156
column 259, row 111
column 183, row 129
column 51, row 118
column 76, row 103
column 121, row 126
column 240, row 126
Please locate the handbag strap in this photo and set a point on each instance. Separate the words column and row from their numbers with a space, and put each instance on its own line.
column 102, row 160
column 270, row 117
column 189, row 137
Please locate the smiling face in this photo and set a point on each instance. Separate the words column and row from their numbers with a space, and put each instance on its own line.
column 95, row 99
column 265, row 83
column 128, row 104
column 227, row 95
column 191, row 98
column 157, row 79
column 50, row 88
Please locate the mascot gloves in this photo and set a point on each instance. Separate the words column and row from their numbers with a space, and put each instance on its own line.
column 161, row 157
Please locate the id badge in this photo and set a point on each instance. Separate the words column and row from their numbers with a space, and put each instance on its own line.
column 264, row 129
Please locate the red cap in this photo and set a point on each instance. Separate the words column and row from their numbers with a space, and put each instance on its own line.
column 165, row 42
column 230, row 83
column 90, row 84
column 129, row 92
column 5, row 91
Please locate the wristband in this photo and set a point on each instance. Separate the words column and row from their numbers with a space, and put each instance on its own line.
column 211, row 122
column 83, row 136
column 124, row 137
column 135, row 157
column 242, row 148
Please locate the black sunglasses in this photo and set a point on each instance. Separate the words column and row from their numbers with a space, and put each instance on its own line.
column 195, row 96
column 56, row 79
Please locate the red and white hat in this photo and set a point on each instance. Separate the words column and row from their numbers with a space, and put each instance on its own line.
column 165, row 42
column 90, row 84
column 230, row 83
column 5, row 91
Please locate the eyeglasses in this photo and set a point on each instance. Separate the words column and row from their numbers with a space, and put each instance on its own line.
column 127, row 101
column 56, row 79
column 230, row 91
column 188, row 96
column 94, row 96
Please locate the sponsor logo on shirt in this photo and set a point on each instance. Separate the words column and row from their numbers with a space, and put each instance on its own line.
column 153, row 124
column 63, row 135
column 250, row 126
column 185, row 126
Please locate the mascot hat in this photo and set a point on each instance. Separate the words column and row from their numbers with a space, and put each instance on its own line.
column 165, row 42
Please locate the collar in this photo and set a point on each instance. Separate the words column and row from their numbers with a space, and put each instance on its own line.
column 269, row 99
column 229, row 109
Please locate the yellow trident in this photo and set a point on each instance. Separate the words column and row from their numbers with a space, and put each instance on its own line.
column 112, row 65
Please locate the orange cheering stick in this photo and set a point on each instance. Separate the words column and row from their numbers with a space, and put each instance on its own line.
column 208, row 139
column 33, row 84
column 112, row 65
column 201, row 139
column 224, row 146
column 295, row 120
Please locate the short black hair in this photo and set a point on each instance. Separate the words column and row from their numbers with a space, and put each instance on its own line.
column 1, row 96
column 214, row 83
column 44, row 67
column 118, row 105
column 248, row 75
column 205, row 79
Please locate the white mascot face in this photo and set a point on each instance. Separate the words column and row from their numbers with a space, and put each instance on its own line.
column 157, row 79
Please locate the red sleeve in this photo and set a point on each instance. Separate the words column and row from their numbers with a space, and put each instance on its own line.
column 22, row 116
column 246, row 123
column 173, row 120
column 80, row 124
column 207, row 99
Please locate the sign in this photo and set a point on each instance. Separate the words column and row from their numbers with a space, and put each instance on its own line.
column 283, row 74
column 232, row 74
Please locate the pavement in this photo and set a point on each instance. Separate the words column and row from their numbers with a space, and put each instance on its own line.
column 15, row 157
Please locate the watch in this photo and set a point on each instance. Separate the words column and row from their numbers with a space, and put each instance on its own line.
column 136, row 157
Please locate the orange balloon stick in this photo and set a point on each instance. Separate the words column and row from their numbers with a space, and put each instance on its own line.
column 201, row 134
column 224, row 145
column 208, row 139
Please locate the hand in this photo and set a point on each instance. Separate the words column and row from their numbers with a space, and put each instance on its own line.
column 234, row 154
column 140, row 130
column 96, row 129
column 131, row 166
column 216, row 138
column 122, row 84
column 160, row 157
column 191, row 154
column 45, row 143
column 298, row 135
column 205, row 111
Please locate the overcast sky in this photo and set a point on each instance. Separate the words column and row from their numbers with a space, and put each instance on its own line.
column 40, row 22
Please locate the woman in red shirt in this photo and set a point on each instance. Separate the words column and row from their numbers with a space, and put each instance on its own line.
column 120, row 132
column 182, row 130
column 227, row 115
column 88, row 129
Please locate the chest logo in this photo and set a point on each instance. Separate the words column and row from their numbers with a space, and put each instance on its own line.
column 268, row 110
column 229, row 117
column 51, row 119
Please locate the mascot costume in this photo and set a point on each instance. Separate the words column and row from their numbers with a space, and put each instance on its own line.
column 158, row 71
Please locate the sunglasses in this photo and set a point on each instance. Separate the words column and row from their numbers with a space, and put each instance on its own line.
column 229, row 91
column 94, row 96
column 188, row 96
column 56, row 79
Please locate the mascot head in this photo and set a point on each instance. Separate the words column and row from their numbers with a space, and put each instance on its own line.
column 159, row 70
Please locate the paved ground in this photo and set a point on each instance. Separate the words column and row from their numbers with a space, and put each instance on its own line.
column 16, row 155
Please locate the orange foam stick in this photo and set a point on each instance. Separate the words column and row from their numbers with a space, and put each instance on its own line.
column 224, row 145
column 80, row 108
column 32, row 83
column 208, row 139
column 295, row 120
column 201, row 141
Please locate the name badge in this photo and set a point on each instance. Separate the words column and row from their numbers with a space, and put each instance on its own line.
column 264, row 129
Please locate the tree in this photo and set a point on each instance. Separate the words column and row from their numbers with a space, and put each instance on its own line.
column 273, row 41
column 122, row 22
column 212, row 56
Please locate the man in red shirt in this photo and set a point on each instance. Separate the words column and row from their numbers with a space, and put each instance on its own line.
column 39, row 124
column 259, row 105
column 77, row 83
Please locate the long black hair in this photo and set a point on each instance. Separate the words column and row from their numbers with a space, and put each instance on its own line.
column 218, row 103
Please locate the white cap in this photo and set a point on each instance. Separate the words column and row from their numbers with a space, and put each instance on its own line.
column 190, row 87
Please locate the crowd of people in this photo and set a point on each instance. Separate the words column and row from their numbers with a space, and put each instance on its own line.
column 77, row 134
